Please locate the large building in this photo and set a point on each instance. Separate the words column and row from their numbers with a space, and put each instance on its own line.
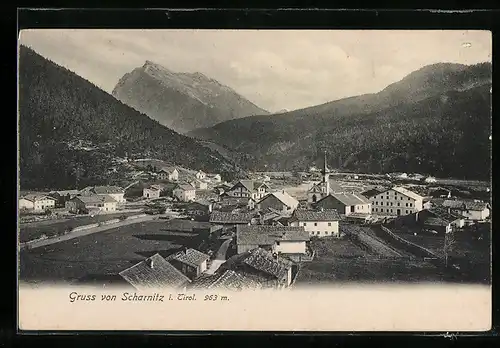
column 185, row 192
column 278, row 239
column 153, row 191
column 117, row 193
column 323, row 189
column 280, row 201
column 168, row 173
column 91, row 203
column 36, row 202
column 318, row 223
column 347, row 204
column 248, row 189
column 396, row 201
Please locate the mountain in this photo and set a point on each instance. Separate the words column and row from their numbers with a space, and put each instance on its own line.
column 181, row 101
column 59, row 111
column 436, row 120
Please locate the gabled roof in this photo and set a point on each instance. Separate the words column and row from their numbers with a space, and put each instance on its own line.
column 268, row 235
column 191, row 257
column 263, row 261
column 250, row 185
column 454, row 204
column 168, row 169
column 94, row 198
column 283, row 197
column 478, row 206
column 316, row 215
column 154, row 188
column 371, row 192
column 347, row 198
column 435, row 221
column 65, row 192
column 154, row 272
column 406, row 192
column 34, row 198
column 101, row 190
column 442, row 213
column 236, row 218
column 203, row 202
column 185, row 187
column 229, row 280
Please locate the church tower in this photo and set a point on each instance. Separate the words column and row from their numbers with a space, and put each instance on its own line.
column 326, row 177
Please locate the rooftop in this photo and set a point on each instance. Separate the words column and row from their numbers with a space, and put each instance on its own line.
column 316, row 215
column 34, row 198
column 94, row 198
column 101, row 190
column 190, row 257
column 407, row 193
column 186, row 187
column 348, row 198
column 264, row 261
column 268, row 235
column 229, row 280
column 251, row 185
column 154, row 272
column 225, row 217
column 283, row 197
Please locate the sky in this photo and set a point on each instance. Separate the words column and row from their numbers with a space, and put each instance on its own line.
column 275, row 69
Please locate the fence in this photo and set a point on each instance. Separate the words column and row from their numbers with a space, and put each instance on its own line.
column 409, row 246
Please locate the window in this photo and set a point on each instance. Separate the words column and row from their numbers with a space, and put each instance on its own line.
column 278, row 243
column 406, row 204
column 326, row 232
column 376, row 209
column 376, row 203
column 317, row 233
column 315, row 224
column 391, row 210
column 305, row 224
column 410, row 204
column 407, row 212
column 329, row 224
column 398, row 204
column 381, row 197
column 381, row 203
column 391, row 204
column 401, row 198
column 381, row 210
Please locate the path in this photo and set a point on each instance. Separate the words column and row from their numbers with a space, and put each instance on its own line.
column 81, row 233
column 220, row 257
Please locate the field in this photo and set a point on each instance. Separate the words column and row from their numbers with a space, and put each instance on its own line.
column 343, row 261
column 31, row 231
column 99, row 256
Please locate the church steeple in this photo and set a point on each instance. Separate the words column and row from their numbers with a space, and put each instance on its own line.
column 326, row 175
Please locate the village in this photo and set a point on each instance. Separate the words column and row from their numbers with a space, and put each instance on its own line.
column 187, row 229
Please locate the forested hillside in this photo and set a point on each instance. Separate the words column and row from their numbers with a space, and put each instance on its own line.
column 57, row 108
column 435, row 121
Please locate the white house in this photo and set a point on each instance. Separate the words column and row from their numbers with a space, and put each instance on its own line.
column 168, row 173
column 318, row 223
column 430, row 180
column 280, row 201
column 216, row 178
column 185, row 192
column 396, row 201
column 199, row 184
column 151, row 192
column 36, row 202
column 200, row 175
column 92, row 203
column 248, row 189
column 346, row 203
column 470, row 210
column 117, row 193
column 279, row 239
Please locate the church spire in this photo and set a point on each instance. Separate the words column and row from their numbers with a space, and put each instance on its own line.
column 325, row 170
column 326, row 176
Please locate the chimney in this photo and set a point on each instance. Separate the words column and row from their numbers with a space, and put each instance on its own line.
column 150, row 263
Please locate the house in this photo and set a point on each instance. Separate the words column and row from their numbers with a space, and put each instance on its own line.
column 216, row 178
column 372, row 192
column 168, row 173
column 200, row 175
column 199, row 184
column 63, row 196
column 346, row 203
column 91, row 203
column 222, row 188
column 323, row 188
column 430, row 179
column 227, row 201
column 248, row 189
column 455, row 220
column 155, row 273
column 191, row 262
column 117, row 193
column 318, row 223
column 396, row 201
column 261, row 266
column 184, row 192
column 280, row 201
column 278, row 239
column 226, row 218
column 203, row 229
column 36, row 203
column 226, row 280
column 470, row 210
column 151, row 192
column 199, row 208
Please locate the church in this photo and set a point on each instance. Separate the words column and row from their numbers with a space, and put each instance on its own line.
column 322, row 189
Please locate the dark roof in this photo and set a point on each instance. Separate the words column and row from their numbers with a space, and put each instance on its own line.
column 264, row 261
column 442, row 213
column 160, row 273
column 435, row 221
column 226, row 199
column 268, row 235
column 250, row 185
column 236, row 218
column 316, row 215
column 470, row 205
column 168, row 169
column 228, row 280
column 347, row 198
column 93, row 199
column 100, row 190
column 185, row 187
column 186, row 225
column 371, row 192
column 191, row 257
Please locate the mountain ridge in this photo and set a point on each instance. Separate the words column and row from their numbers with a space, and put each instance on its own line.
column 179, row 100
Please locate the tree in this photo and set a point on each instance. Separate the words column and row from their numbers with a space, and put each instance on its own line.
column 448, row 246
